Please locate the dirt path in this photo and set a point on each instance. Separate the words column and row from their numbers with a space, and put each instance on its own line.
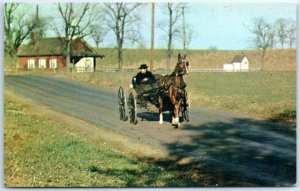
column 253, row 151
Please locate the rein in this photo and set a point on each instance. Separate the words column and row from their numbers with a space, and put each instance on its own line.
column 181, row 86
column 178, row 71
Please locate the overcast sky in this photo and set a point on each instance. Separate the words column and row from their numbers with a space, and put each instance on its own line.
column 221, row 24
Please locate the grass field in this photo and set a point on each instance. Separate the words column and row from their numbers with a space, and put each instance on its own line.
column 44, row 153
column 269, row 95
column 275, row 60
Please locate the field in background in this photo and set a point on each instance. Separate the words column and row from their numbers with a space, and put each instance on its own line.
column 276, row 60
column 269, row 95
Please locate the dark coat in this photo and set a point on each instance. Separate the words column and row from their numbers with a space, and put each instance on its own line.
column 140, row 76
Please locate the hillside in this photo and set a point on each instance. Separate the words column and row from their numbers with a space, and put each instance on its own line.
column 276, row 60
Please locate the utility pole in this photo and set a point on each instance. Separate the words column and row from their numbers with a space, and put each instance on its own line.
column 183, row 28
column 37, row 35
column 152, row 35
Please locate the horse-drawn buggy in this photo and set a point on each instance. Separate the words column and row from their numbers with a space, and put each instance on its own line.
column 165, row 92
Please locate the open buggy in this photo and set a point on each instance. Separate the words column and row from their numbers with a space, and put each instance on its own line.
column 163, row 92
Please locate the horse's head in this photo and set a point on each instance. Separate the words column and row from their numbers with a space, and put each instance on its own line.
column 182, row 65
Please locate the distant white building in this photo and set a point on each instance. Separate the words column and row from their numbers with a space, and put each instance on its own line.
column 239, row 63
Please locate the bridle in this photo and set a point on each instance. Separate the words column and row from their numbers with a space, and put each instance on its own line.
column 184, row 68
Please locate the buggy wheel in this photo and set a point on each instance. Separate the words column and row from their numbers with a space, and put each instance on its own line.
column 132, row 109
column 185, row 108
column 122, row 104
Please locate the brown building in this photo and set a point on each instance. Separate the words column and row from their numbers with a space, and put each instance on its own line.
column 50, row 53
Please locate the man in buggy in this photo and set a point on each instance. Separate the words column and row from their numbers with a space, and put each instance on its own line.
column 143, row 82
column 144, row 76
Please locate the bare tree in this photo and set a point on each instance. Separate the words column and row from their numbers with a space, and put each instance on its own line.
column 121, row 19
column 174, row 12
column 187, row 37
column 263, row 37
column 17, row 28
column 135, row 38
column 41, row 27
column 281, row 31
column 184, row 36
column 291, row 30
column 97, row 33
column 76, row 19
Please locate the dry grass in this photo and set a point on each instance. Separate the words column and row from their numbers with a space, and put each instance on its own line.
column 276, row 60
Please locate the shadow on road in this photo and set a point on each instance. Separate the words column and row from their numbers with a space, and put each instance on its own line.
column 153, row 116
column 242, row 152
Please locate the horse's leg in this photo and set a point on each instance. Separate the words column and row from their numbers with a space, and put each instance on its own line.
column 160, row 101
column 172, row 115
column 173, row 110
column 177, row 110
column 172, row 96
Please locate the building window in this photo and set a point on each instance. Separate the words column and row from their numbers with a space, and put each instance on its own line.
column 42, row 63
column 53, row 63
column 30, row 64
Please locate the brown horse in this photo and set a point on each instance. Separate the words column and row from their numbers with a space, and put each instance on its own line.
column 174, row 90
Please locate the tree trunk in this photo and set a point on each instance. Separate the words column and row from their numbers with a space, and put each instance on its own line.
column 152, row 36
column 68, row 57
column 262, row 64
column 169, row 61
column 120, row 57
column 170, row 39
column 184, row 33
column 15, row 63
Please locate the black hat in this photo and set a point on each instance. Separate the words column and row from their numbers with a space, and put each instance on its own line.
column 143, row 66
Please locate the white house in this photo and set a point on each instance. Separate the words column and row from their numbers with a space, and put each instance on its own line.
column 239, row 63
column 85, row 65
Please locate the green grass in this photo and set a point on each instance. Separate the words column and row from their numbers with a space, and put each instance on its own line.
column 260, row 94
column 41, row 153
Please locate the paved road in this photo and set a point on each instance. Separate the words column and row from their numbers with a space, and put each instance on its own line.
column 223, row 145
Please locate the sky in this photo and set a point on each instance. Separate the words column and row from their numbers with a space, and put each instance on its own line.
column 224, row 25
column 220, row 24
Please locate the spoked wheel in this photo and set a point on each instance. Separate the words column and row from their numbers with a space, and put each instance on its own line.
column 185, row 108
column 122, row 104
column 132, row 109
